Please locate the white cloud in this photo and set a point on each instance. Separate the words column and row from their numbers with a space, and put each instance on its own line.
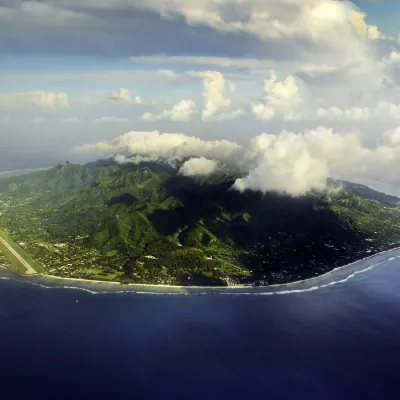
column 281, row 98
column 166, row 73
column 198, row 166
column 166, row 145
column 297, row 162
column 150, row 117
column 123, row 95
column 352, row 114
column 138, row 100
column 231, row 115
column 363, row 29
column 70, row 120
column 382, row 112
column 110, row 120
column 393, row 137
column 43, row 100
column 121, row 159
column 215, row 93
column 321, row 20
column 181, row 111
column 286, row 162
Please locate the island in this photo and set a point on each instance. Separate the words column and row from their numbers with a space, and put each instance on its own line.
column 146, row 224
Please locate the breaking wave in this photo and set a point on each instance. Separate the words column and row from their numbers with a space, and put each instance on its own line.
column 317, row 283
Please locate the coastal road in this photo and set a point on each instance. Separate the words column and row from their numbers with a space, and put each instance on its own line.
column 29, row 269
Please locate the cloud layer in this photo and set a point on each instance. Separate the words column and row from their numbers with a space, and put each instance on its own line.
column 288, row 162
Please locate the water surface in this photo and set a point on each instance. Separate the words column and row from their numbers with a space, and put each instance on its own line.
column 314, row 340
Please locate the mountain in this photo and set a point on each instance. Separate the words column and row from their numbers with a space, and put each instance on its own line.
column 148, row 224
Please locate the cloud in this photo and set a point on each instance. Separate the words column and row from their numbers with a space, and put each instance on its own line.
column 110, row 119
column 274, row 29
column 198, row 166
column 215, row 93
column 121, row 159
column 43, row 100
column 288, row 162
column 367, row 31
column 392, row 137
column 352, row 114
column 123, row 95
column 138, row 100
column 362, row 72
column 70, row 120
column 231, row 115
column 165, row 145
column 222, row 62
column 297, row 162
column 166, row 73
column 281, row 98
column 180, row 112
column 382, row 112
column 315, row 20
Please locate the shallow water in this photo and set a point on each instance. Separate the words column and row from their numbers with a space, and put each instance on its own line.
column 335, row 337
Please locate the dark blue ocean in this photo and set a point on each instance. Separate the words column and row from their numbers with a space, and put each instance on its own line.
column 336, row 337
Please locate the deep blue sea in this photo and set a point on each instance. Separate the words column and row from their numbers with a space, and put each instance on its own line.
column 335, row 337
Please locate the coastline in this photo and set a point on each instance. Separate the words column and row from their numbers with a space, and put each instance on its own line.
column 133, row 286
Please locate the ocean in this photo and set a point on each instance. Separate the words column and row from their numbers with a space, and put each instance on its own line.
column 334, row 337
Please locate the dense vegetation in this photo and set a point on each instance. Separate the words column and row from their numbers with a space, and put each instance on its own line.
column 145, row 223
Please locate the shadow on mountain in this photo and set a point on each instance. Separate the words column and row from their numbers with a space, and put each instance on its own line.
column 125, row 198
column 272, row 229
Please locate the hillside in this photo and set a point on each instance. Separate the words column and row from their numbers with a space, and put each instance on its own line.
column 145, row 223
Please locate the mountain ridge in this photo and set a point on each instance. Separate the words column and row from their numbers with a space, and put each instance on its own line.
column 146, row 223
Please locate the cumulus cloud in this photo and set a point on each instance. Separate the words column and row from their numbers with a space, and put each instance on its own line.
column 367, row 31
column 110, row 120
column 43, row 100
column 320, row 22
column 181, row 112
column 216, row 92
column 281, row 98
column 121, row 159
column 123, row 95
column 198, row 166
column 392, row 137
column 288, row 162
column 295, row 163
column 166, row 73
column 165, row 145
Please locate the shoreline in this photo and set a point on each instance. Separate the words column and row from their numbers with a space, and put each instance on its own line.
column 188, row 288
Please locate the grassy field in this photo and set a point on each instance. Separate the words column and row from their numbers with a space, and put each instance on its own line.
column 16, row 265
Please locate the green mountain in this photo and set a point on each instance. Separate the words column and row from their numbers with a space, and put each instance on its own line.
column 147, row 224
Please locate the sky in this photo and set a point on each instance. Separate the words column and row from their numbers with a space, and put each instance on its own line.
column 290, row 91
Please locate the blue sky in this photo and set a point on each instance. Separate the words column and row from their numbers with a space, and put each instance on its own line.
column 83, row 73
